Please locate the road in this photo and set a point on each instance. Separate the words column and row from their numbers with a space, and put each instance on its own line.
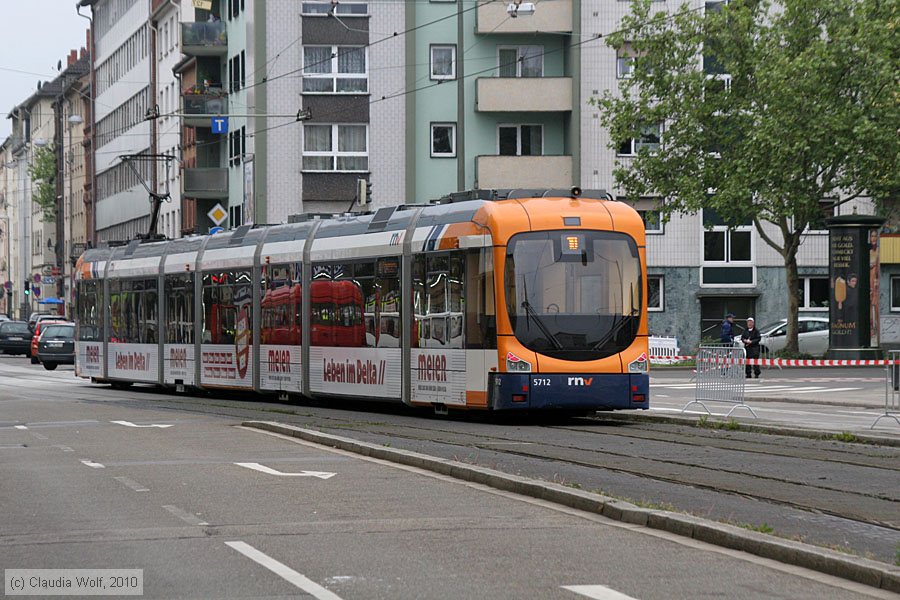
column 167, row 499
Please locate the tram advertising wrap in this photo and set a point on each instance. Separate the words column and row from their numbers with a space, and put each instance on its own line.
column 490, row 301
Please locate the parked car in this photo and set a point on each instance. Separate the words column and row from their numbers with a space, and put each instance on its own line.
column 32, row 319
column 38, row 326
column 4, row 318
column 15, row 338
column 57, row 345
column 812, row 336
column 45, row 317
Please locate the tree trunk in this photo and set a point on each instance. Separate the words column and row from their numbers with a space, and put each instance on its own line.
column 793, row 285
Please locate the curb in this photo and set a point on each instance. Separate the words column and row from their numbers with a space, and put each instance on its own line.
column 813, row 434
column 860, row 570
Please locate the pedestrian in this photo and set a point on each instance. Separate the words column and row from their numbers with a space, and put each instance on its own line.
column 751, row 339
column 727, row 335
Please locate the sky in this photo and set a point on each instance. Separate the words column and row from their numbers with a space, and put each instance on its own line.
column 36, row 35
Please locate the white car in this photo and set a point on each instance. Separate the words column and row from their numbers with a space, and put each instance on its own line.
column 812, row 337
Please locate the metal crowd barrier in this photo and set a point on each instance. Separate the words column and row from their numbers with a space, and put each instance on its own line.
column 891, row 389
column 720, row 377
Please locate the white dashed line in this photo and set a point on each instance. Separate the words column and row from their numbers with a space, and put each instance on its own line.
column 597, row 592
column 285, row 572
column 92, row 464
column 184, row 515
column 132, row 484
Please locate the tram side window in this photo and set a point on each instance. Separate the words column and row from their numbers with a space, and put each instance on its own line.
column 387, row 285
column 281, row 304
column 179, row 308
column 89, row 316
column 133, row 308
column 439, row 300
column 341, row 296
column 481, row 318
column 225, row 295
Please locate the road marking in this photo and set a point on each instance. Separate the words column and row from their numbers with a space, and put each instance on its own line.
column 184, row 515
column 131, row 483
column 64, row 448
column 285, row 572
column 130, row 424
column 92, row 464
column 597, row 592
column 38, row 435
column 268, row 471
column 20, row 427
column 826, row 390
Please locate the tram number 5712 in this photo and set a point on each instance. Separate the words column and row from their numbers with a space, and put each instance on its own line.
column 540, row 381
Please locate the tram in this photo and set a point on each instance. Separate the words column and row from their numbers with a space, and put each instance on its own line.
column 490, row 300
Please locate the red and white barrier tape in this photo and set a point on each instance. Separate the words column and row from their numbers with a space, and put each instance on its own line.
column 790, row 362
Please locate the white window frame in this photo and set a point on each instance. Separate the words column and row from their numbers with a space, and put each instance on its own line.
column 333, row 73
column 662, row 293
column 334, row 153
column 726, row 231
column 636, row 145
column 431, row 62
column 519, row 48
column 328, row 5
column 625, row 58
column 452, row 153
column 518, row 127
column 893, row 309
column 804, row 280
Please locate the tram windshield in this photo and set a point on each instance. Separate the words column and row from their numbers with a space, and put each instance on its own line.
column 573, row 295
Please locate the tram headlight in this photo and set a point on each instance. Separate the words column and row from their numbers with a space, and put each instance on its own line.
column 514, row 364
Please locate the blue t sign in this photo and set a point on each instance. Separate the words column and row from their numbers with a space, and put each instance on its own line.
column 220, row 124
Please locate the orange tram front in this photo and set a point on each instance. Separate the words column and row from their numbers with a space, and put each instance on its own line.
column 489, row 300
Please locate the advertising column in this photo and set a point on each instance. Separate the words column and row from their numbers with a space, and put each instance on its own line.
column 853, row 276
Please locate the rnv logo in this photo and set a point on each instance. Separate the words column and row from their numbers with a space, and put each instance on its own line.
column 581, row 381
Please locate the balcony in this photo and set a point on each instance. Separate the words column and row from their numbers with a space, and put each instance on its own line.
column 536, row 172
column 205, row 183
column 199, row 109
column 550, row 16
column 204, row 39
column 531, row 94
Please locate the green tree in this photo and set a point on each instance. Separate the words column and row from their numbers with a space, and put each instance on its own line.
column 768, row 109
column 43, row 177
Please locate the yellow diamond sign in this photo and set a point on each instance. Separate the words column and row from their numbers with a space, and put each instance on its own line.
column 217, row 214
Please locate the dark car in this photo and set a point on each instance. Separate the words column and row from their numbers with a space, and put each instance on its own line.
column 15, row 338
column 57, row 345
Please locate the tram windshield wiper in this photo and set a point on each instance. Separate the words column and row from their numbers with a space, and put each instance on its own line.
column 529, row 311
column 618, row 323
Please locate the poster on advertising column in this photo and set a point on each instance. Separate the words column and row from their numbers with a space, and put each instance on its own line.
column 853, row 279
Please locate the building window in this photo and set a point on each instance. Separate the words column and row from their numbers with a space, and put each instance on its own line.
column 237, row 146
column 520, row 140
column 335, row 70
column 323, row 9
column 656, row 293
column 651, row 137
column 727, row 252
column 237, row 71
column 625, row 61
column 521, row 61
column 336, row 148
column 813, row 293
column 443, row 61
column 443, row 140
column 826, row 211
column 895, row 293
column 235, row 216
column 652, row 221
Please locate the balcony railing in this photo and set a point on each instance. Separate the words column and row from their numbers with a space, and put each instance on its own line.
column 531, row 94
column 536, row 172
column 207, row 38
column 200, row 108
column 550, row 16
column 208, row 183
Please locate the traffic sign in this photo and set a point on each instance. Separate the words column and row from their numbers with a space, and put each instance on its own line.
column 218, row 214
column 219, row 125
column 214, row 230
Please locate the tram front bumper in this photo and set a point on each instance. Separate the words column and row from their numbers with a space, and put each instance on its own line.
column 539, row 391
